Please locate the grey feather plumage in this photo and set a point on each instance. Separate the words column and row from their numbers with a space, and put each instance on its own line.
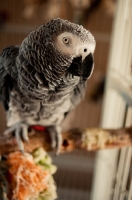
column 35, row 84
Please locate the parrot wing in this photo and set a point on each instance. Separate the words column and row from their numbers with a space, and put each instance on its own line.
column 8, row 73
column 78, row 93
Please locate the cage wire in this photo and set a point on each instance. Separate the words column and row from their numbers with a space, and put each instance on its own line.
column 117, row 170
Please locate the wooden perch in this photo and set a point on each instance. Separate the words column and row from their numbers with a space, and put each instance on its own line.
column 88, row 139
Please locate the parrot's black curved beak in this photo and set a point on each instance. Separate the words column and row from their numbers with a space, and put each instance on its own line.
column 82, row 68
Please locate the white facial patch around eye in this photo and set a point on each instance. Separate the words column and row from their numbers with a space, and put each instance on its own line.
column 70, row 44
column 67, row 43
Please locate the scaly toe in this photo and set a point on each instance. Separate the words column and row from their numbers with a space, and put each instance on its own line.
column 56, row 138
column 24, row 132
column 18, row 138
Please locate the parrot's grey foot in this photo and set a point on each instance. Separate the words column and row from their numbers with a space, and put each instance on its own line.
column 56, row 137
column 21, row 133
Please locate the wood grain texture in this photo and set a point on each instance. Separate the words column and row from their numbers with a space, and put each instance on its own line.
column 90, row 139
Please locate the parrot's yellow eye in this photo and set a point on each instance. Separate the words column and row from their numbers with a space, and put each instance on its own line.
column 65, row 40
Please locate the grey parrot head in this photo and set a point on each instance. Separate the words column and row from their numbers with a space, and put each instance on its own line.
column 74, row 44
column 59, row 48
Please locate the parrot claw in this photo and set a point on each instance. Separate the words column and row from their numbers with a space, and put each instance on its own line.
column 56, row 138
column 21, row 133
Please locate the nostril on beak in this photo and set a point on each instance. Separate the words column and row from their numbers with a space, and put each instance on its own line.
column 85, row 50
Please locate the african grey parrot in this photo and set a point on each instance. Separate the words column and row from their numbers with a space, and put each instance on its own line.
column 44, row 78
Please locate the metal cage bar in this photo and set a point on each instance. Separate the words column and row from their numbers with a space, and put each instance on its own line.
column 113, row 167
